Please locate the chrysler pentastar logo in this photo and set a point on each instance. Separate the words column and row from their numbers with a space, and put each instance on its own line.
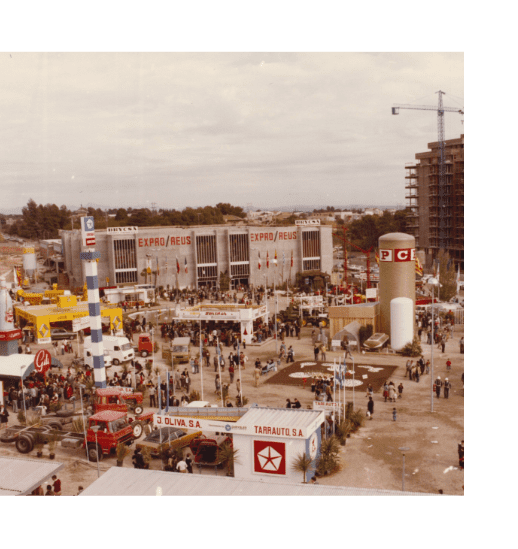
column 269, row 459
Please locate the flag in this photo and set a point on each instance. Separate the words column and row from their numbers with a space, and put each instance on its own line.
column 377, row 258
column 259, row 260
column 275, row 258
column 18, row 276
column 292, row 258
column 436, row 269
column 418, row 267
column 177, row 265
column 185, row 264
column 283, row 259
column 157, row 267
column 267, row 260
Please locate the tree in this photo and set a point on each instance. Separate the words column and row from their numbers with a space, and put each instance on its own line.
column 447, row 276
column 121, row 215
column 302, row 464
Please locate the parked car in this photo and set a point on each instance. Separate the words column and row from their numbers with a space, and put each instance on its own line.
column 61, row 333
column 376, row 342
column 167, row 437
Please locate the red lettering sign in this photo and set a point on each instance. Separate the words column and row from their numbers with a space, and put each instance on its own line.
column 42, row 361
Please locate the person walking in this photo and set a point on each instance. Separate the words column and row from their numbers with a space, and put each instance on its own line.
column 438, row 385
column 394, row 414
column 447, row 387
column 370, row 408
column 257, row 375
column 385, row 391
column 400, row 390
column 460, row 450
column 323, row 352
column 316, row 350
column 392, row 392
column 231, row 372
column 408, row 368
column 448, row 364
column 188, row 461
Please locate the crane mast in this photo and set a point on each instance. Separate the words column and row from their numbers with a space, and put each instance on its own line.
column 442, row 195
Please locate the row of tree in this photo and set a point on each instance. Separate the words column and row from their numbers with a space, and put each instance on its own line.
column 45, row 221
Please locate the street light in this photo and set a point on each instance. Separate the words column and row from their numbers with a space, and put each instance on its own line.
column 404, row 449
column 432, row 282
column 95, row 428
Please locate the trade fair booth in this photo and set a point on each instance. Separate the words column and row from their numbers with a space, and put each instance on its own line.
column 243, row 315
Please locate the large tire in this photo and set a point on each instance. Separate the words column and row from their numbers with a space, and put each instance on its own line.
column 138, row 429
column 144, row 354
column 115, row 361
column 56, row 425
column 24, row 444
column 138, row 410
column 94, row 453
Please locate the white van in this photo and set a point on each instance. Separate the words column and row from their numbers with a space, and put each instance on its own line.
column 89, row 361
column 119, row 348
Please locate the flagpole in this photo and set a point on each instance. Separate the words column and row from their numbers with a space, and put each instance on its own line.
column 239, row 369
column 218, row 351
column 201, row 364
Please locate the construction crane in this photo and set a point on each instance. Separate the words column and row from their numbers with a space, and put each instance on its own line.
column 442, row 202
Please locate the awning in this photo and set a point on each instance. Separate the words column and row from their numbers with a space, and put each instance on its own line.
column 19, row 477
column 16, row 366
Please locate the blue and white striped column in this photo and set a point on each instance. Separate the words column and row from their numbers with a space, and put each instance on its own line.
column 94, row 310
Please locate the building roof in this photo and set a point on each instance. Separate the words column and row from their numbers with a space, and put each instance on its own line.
column 108, row 415
column 124, row 481
column 15, row 365
column 19, row 477
column 289, row 418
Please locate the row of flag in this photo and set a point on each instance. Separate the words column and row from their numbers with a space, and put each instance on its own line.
column 274, row 259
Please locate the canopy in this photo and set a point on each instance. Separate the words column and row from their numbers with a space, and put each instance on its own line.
column 16, row 366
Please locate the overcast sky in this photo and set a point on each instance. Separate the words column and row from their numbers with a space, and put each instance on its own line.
column 274, row 129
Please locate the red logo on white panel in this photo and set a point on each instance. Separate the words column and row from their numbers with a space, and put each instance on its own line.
column 404, row 254
column 386, row 255
column 269, row 457
column 42, row 361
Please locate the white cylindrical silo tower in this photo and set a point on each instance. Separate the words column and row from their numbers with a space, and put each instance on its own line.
column 401, row 322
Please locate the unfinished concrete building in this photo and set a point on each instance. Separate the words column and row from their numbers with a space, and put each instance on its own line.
column 422, row 193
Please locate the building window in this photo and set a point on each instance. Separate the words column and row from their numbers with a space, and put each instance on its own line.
column 311, row 250
column 125, row 261
column 239, row 255
column 206, row 250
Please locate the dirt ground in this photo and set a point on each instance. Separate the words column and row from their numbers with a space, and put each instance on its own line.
column 371, row 458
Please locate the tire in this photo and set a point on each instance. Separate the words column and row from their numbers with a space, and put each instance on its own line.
column 138, row 429
column 115, row 362
column 94, row 453
column 138, row 410
column 55, row 425
column 144, row 354
column 24, row 444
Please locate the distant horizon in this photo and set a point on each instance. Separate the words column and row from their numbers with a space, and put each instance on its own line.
column 298, row 207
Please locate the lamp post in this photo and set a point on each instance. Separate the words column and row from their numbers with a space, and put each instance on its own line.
column 95, row 428
column 403, row 449
column 433, row 282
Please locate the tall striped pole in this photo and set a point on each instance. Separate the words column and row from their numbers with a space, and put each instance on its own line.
column 94, row 306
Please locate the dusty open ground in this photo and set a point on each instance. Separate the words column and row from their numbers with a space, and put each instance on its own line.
column 371, row 458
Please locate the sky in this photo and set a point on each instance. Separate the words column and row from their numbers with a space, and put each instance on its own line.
column 194, row 129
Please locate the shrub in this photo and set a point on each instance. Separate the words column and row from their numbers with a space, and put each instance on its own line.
column 328, row 460
column 194, row 396
column 302, row 464
column 412, row 349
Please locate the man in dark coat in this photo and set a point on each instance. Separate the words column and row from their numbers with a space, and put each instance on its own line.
column 370, row 407
column 438, row 385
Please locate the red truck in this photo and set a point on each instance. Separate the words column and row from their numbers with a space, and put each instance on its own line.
column 105, row 431
column 118, row 399
column 145, row 345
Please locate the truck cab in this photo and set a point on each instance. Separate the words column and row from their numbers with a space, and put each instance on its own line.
column 145, row 345
column 89, row 361
column 105, row 431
